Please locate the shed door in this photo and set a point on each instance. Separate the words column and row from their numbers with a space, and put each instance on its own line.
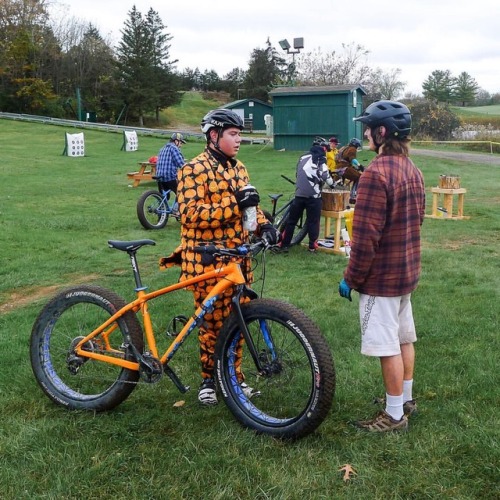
column 240, row 113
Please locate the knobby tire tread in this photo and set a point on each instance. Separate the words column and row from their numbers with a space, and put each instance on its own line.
column 48, row 363
column 142, row 210
column 305, row 363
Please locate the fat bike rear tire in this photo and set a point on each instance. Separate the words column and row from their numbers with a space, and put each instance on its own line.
column 77, row 382
column 300, row 231
column 293, row 392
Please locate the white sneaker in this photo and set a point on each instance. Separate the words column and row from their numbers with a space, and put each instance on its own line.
column 248, row 391
column 207, row 395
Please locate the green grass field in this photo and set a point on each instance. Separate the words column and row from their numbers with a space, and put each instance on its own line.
column 493, row 110
column 56, row 215
column 480, row 116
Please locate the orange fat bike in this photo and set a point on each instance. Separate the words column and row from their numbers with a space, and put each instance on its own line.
column 89, row 348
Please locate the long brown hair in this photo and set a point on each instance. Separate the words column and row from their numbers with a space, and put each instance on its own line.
column 391, row 145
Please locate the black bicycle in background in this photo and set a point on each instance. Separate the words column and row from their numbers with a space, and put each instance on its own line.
column 154, row 210
column 279, row 216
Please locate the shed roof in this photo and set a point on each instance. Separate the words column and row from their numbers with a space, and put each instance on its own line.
column 240, row 102
column 325, row 89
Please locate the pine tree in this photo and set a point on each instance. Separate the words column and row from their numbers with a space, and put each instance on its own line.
column 143, row 65
column 465, row 88
column 266, row 68
column 439, row 86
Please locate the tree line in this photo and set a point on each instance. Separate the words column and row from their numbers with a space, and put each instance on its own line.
column 68, row 70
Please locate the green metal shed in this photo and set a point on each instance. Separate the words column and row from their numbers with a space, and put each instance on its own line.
column 302, row 113
column 252, row 111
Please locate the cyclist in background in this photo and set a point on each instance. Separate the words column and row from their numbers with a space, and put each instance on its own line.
column 348, row 167
column 346, row 158
column 332, row 153
column 213, row 191
column 169, row 161
column 312, row 173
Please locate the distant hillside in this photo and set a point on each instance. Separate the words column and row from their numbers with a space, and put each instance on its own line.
column 480, row 115
column 493, row 110
column 188, row 113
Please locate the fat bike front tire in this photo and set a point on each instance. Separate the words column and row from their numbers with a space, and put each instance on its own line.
column 294, row 389
column 77, row 382
column 152, row 210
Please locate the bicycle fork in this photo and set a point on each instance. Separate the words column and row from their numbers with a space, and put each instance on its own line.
column 266, row 334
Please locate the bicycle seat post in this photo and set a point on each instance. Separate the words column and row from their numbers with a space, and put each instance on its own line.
column 135, row 268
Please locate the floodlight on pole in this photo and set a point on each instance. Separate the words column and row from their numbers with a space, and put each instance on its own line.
column 298, row 45
column 284, row 44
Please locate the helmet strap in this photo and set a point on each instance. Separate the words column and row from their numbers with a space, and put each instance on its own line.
column 215, row 144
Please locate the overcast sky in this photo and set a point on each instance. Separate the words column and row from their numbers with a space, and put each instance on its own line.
column 417, row 36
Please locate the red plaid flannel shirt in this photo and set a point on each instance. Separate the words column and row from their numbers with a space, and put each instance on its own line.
column 389, row 212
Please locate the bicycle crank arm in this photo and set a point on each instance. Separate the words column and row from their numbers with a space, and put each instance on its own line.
column 175, row 379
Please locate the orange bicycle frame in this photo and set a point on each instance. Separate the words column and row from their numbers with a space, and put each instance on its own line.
column 227, row 275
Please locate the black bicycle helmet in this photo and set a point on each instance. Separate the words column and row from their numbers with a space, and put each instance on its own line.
column 355, row 142
column 321, row 141
column 393, row 115
column 221, row 119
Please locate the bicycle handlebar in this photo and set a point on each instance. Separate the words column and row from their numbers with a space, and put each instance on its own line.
column 288, row 179
column 245, row 250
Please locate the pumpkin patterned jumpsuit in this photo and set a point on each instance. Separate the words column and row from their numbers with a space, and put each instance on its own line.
column 210, row 214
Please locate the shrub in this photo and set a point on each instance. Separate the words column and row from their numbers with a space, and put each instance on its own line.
column 433, row 120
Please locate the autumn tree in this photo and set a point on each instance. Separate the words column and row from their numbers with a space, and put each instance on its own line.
column 433, row 120
column 34, row 95
column 266, row 68
column 385, row 85
column 465, row 88
column 28, row 49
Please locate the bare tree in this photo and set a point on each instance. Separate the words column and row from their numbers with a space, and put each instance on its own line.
column 386, row 85
column 348, row 67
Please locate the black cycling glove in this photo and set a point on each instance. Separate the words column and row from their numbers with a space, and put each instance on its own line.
column 269, row 233
column 247, row 197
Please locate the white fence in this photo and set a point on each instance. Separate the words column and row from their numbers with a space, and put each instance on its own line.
column 98, row 126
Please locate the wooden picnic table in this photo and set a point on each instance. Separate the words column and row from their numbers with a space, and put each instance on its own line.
column 145, row 173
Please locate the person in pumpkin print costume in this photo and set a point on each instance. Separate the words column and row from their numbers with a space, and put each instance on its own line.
column 211, row 198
